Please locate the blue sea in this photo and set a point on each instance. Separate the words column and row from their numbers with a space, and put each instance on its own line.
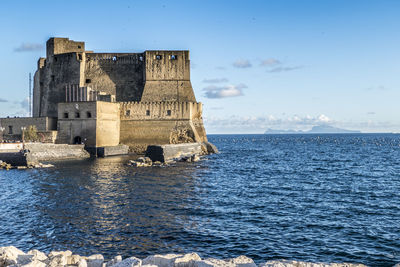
column 331, row 198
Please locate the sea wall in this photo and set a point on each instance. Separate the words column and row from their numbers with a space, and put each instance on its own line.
column 12, row 256
column 49, row 152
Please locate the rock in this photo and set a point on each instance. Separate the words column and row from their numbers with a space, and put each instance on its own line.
column 35, row 263
column 73, row 259
column 9, row 255
column 209, row 148
column 161, row 260
column 187, row 260
column 288, row 263
column 241, row 261
column 95, row 260
column 37, row 255
column 129, row 262
column 195, row 158
column 114, row 261
column 82, row 263
column 58, row 260
column 57, row 253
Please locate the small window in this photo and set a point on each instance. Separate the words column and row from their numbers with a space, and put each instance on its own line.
column 147, row 112
column 141, row 58
column 158, row 57
column 169, row 112
column 10, row 130
column 173, row 57
column 77, row 115
column 79, row 47
column 52, row 78
column 80, row 56
column 128, row 113
column 88, row 80
column 55, row 59
column 114, row 58
column 66, row 115
column 89, row 114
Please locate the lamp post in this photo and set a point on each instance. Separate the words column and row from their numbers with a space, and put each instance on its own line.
column 23, row 137
column 2, row 134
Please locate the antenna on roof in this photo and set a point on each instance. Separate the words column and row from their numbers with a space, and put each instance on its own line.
column 30, row 95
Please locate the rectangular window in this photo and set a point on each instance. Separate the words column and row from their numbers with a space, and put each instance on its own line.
column 77, row 115
column 158, row 57
column 66, row 115
column 169, row 112
column 147, row 112
column 141, row 58
column 79, row 46
column 89, row 114
column 173, row 57
column 128, row 113
column 10, row 130
column 88, row 80
column 52, row 78
column 80, row 56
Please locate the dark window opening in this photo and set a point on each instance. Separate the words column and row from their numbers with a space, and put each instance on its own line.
column 173, row 57
column 53, row 78
column 89, row 114
column 79, row 46
column 169, row 112
column 77, row 115
column 10, row 130
column 41, row 83
column 88, row 80
column 158, row 57
column 77, row 140
column 55, row 59
column 65, row 115
column 147, row 112
column 80, row 57
column 128, row 113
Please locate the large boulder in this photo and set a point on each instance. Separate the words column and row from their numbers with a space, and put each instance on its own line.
column 241, row 261
column 95, row 260
column 171, row 152
column 209, row 148
column 166, row 260
column 9, row 255
column 289, row 263
column 129, row 262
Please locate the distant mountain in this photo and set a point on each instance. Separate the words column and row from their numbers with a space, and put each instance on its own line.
column 320, row 129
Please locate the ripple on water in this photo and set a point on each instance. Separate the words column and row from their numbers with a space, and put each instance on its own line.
column 303, row 197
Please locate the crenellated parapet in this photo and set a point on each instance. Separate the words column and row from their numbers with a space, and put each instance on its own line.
column 160, row 110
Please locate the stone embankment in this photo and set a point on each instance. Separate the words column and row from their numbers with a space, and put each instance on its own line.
column 12, row 256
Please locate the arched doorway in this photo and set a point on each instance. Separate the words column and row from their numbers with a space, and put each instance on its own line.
column 77, row 140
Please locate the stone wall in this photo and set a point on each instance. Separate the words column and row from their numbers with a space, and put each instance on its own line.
column 41, row 123
column 167, row 76
column 118, row 74
column 93, row 123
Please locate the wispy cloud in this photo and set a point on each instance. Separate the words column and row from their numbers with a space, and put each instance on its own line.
column 377, row 88
column 220, row 68
column 242, row 63
column 3, row 100
column 216, row 80
column 371, row 113
column 270, row 62
column 29, row 47
column 214, row 91
column 283, row 69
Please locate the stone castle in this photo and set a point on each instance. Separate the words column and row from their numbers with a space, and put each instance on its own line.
column 107, row 99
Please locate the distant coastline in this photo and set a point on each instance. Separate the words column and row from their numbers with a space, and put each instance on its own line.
column 319, row 129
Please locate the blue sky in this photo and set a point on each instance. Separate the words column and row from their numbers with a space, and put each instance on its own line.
column 255, row 64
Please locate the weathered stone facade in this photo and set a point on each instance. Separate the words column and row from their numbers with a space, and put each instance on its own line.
column 106, row 99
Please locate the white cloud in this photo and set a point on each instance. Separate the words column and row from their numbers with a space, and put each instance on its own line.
column 213, row 91
column 215, row 80
column 242, row 63
column 270, row 62
column 284, row 69
column 29, row 47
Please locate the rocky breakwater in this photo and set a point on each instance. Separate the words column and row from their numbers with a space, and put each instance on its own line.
column 12, row 256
